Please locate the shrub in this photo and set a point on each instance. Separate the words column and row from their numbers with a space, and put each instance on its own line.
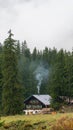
column 1, row 123
column 64, row 123
column 55, row 105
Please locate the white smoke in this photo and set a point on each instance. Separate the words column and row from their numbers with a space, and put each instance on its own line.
column 41, row 74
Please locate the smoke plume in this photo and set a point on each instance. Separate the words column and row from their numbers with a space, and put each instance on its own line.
column 41, row 75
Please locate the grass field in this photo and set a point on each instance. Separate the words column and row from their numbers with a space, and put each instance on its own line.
column 46, row 120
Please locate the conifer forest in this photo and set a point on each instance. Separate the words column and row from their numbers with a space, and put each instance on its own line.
column 23, row 73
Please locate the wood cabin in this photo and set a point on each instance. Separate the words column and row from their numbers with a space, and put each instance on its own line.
column 37, row 102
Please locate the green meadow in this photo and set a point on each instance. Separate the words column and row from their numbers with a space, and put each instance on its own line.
column 33, row 122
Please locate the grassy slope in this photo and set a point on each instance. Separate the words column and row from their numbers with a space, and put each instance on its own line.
column 48, row 120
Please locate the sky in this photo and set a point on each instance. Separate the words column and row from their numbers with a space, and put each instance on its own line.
column 40, row 22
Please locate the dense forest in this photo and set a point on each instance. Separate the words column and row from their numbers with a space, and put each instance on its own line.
column 23, row 73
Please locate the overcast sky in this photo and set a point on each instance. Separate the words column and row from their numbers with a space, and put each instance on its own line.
column 40, row 22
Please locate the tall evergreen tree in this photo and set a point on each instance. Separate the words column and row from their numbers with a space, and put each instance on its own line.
column 69, row 76
column 24, row 47
column 12, row 98
column 0, row 76
column 58, row 79
column 34, row 54
column 46, row 54
column 18, row 49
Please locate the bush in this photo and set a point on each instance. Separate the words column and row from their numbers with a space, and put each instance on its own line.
column 1, row 123
column 55, row 105
column 64, row 123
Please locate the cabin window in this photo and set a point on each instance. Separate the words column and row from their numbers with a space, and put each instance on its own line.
column 33, row 106
column 34, row 101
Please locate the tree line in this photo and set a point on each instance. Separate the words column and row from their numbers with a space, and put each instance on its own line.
column 18, row 79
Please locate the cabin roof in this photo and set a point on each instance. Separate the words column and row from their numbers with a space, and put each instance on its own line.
column 45, row 99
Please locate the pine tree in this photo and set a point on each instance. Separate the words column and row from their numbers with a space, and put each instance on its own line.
column 0, row 76
column 34, row 54
column 58, row 80
column 46, row 54
column 69, row 76
column 18, row 49
column 24, row 47
column 12, row 98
